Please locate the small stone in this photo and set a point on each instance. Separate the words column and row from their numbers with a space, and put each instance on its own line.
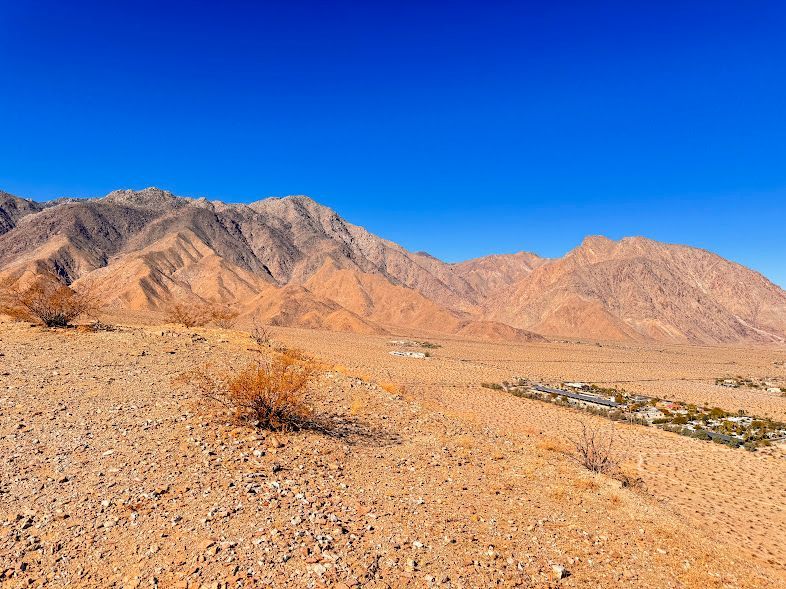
column 319, row 569
column 560, row 572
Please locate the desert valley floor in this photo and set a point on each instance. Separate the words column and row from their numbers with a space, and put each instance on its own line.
column 116, row 475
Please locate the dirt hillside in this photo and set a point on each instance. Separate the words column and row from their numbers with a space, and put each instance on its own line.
column 115, row 476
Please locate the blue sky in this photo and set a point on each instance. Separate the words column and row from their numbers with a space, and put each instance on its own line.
column 459, row 128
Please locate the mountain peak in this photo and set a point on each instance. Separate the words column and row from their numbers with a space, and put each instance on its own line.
column 145, row 197
column 597, row 241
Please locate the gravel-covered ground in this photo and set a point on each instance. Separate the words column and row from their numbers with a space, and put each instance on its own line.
column 114, row 475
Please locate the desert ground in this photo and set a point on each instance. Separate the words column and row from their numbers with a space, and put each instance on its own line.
column 116, row 474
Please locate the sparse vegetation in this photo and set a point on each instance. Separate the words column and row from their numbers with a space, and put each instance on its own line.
column 187, row 314
column 47, row 301
column 430, row 345
column 260, row 333
column 390, row 387
column 199, row 313
column 594, row 449
column 269, row 394
column 222, row 316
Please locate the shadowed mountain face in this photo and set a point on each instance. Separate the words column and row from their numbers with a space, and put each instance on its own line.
column 291, row 261
column 12, row 209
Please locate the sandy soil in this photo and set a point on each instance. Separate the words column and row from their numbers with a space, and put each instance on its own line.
column 729, row 494
column 116, row 477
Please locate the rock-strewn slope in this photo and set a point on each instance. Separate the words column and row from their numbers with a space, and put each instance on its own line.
column 296, row 262
column 114, row 477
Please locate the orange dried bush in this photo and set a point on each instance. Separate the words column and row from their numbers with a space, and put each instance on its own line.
column 48, row 301
column 187, row 314
column 222, row 315
column 270, row 395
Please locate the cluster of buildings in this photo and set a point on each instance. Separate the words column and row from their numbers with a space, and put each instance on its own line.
column 734, row 383
column 687, row 419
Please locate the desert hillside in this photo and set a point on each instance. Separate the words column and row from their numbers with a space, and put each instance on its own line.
column 118, row 474
column 291, row 261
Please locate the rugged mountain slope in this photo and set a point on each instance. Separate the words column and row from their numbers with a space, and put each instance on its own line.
column 12, row 209
column 286, row 260
column 639, row 288
column 491, row 274
column 293, row 261
column 285, row 239
column 374, row 297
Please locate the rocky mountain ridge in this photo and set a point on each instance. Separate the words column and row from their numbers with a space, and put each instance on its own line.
column 292, row 261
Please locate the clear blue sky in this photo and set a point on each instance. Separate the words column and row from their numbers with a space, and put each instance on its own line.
column 457, row 128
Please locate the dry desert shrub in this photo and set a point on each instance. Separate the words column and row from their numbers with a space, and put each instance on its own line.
column 594, row 449
column 222, row 316
column 47, row 301
column 260, row 333
column 552, row 445
column 389, row 387
column 187, row 314
column 269, row 394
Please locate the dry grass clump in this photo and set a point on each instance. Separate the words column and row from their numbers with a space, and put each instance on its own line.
column 586, row 484
column 552, row 445
column 559, row 493
column 270, row 395
column 390, row 387
column 47, row 301
column 466, row 442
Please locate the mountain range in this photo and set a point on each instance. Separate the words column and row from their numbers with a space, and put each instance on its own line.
column 291, row 261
